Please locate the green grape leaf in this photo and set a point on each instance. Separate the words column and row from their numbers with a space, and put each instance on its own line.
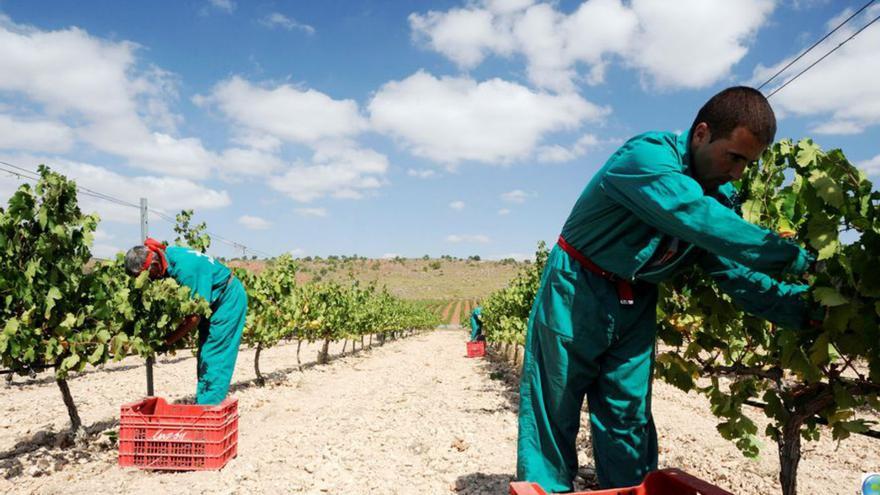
column 819, row 351
column 95, row 357
column 827, row 188
column 828, row 296
column 69, row 362
column 807, row 153
column 53, row 295
column 822, row 236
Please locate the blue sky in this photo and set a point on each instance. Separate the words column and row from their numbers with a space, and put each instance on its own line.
column 385, row 128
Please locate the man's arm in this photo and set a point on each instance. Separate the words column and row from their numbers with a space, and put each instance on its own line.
column 674, row 203
column 188, row 324
column 783, row 304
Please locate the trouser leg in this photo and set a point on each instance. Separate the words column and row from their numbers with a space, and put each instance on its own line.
column 622, row 427
column 219, row 343
column 549, row 414
column 568, row 329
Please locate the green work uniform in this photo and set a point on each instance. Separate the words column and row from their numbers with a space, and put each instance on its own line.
column 642, row 217
column 476, row 323
column 220, row 335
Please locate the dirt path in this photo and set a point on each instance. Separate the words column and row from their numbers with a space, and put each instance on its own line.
column 411, row 417
column 455, row 318
column 394, row 419
column 446, row 311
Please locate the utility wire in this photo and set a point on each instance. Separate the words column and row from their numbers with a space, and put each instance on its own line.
column 213, row 235
column 799, row 74
column 814, row 45
column 34, row 176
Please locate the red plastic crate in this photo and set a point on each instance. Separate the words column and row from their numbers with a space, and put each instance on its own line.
column 663, row 482
column 476, row 349
column 154, row 434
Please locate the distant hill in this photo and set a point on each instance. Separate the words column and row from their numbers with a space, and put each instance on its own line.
column 408, row 278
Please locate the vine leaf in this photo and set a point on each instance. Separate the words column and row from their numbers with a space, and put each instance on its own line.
column 827, row 296
column 826, row 188
column 807, row 153
column 822, row 236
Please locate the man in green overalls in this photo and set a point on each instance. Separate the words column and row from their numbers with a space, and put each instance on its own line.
column 662, row 202
column 477, row 324
column 219, row 336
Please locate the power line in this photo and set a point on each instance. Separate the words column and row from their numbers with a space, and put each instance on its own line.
column 34, row 176
column 799, row 74
column 213, row 235
column 814, row 45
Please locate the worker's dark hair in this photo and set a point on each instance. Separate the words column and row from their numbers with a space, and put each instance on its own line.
column 735, row 107
column 134, row 260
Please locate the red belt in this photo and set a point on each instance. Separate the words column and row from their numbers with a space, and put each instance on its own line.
column 624, row 288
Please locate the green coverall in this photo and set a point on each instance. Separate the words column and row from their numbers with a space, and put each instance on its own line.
column 476, row 323
column 219, row 336
column 642, row 217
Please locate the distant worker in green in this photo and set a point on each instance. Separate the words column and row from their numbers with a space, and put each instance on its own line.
column 477, row 324
column 661, row 203
column 219, row 335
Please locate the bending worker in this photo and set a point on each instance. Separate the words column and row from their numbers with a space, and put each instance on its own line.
column 661, row 203
column 219, row 335
column 477, row 324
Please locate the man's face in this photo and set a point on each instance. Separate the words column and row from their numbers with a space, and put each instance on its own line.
column 155, row 270
column 722, row 160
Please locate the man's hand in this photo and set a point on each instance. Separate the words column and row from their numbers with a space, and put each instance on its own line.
column 185, row 327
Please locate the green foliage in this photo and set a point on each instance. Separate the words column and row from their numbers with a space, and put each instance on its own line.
column 193, row 236
column 271, row 302
column 330, row 311
column 506, row 312
column 57, row 314
column 831, row 370
column 44, row 247
column 139, row 313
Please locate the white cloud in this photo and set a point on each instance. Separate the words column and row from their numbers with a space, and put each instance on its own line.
column 226, row 6
column 838, row 127
column 34, row 135
column 388, row 256
column 694, row 43
column 689, row 44
column 557, row 153
column 108, row 100
column 871, row 167
column 279, row 20
column 454, row 119
column 841, row 93
column 102, row 235
column 165, row 194
column 516, row 196
column 101, row 248
column 504, row 211
column 311, row 212
column 105, row 251
column 467, row 238
column 421, row 174
column 516, row 256
column 337, row 172
column 8, row 185
column 248, row 162
column 297, row 252
column 253, row 222
column 465, row 36
column 266, row 116
column 286, row 112
column 457, row 205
